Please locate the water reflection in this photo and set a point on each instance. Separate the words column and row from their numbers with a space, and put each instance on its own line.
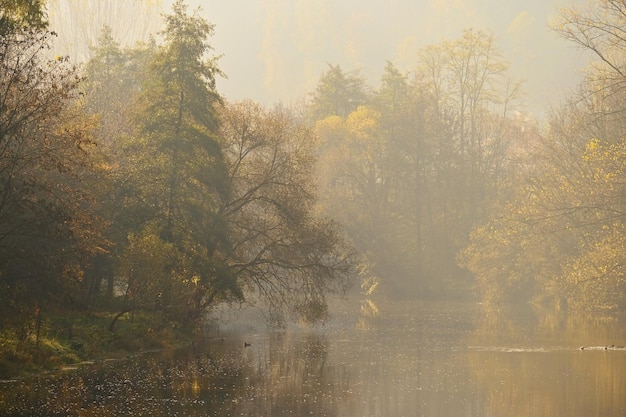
column 528, row 364
column 406, row 359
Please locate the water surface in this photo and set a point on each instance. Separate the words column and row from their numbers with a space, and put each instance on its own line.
column 372, row 359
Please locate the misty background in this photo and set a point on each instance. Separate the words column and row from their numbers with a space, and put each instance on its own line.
column 154, row 211
column 274, row 51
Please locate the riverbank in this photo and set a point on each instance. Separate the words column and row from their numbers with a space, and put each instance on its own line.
column 387, row 357
column 68, row 339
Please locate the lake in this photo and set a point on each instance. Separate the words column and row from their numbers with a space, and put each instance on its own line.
column 380, row 358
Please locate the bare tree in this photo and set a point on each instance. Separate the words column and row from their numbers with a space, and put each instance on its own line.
column 282, row 253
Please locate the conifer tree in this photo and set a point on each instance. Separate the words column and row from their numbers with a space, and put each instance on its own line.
column 174, row 175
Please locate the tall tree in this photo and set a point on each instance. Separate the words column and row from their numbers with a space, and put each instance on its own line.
column 560, row 236
column 410, row 173
column 175, row 176
column 599, row 29
column 112, row 85
column 283, row 255
column 467, row 104
column 355, row 180
column 47, row 227
column 471, row 88
column 337, row 93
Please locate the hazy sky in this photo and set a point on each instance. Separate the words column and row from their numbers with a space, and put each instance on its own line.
column 275, row 50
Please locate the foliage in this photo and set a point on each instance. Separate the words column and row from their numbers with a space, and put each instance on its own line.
column 560, row 239
column 283, row 254
column 48, row 229
column 409, row 174
column 173, row 145
column 16, row 15
column 337, row 93
column 354, row 177
column 209, row 202
column 561, row 235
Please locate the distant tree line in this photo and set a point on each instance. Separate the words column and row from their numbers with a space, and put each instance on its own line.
column 447, row 186
column 411, row 167
column 557, row 236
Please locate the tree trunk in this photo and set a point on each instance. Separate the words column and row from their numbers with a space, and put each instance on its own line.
column 117, row 316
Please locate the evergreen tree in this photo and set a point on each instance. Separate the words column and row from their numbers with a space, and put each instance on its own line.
column 337, row 93
column 175, row 177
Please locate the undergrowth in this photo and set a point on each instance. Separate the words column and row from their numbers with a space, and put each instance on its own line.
column 66, row 339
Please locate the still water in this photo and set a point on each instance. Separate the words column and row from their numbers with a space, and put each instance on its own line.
column 372, row 359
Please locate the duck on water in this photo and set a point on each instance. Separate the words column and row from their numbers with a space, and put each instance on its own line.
column 607, row 347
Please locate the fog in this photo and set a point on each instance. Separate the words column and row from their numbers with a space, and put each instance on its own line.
column 413, row 183
column 421, row 147
column 308, row 207
column 274, row 51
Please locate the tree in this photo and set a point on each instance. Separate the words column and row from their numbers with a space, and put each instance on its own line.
column 16, row 15
column 411, row 172
column 596, row 278
column 471, row 87
column 403, row 114
column 466, row 137
column 598, row 29
column 174, row 177
column 112, row 83
column 354, row 181
column 283, row 255
column 560, row 235
column 48, row 229
column 337, row 93
column 113, row 79
column 559, row 239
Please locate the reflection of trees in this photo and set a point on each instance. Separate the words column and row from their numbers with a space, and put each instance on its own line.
column 293, row 378
column 191, row 384
column 527, row 384
column 407, row 361
column 289, row 376
column 553, row 378
column 520, row 327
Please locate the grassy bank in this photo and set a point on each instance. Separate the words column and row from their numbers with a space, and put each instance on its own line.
column 65, row 339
